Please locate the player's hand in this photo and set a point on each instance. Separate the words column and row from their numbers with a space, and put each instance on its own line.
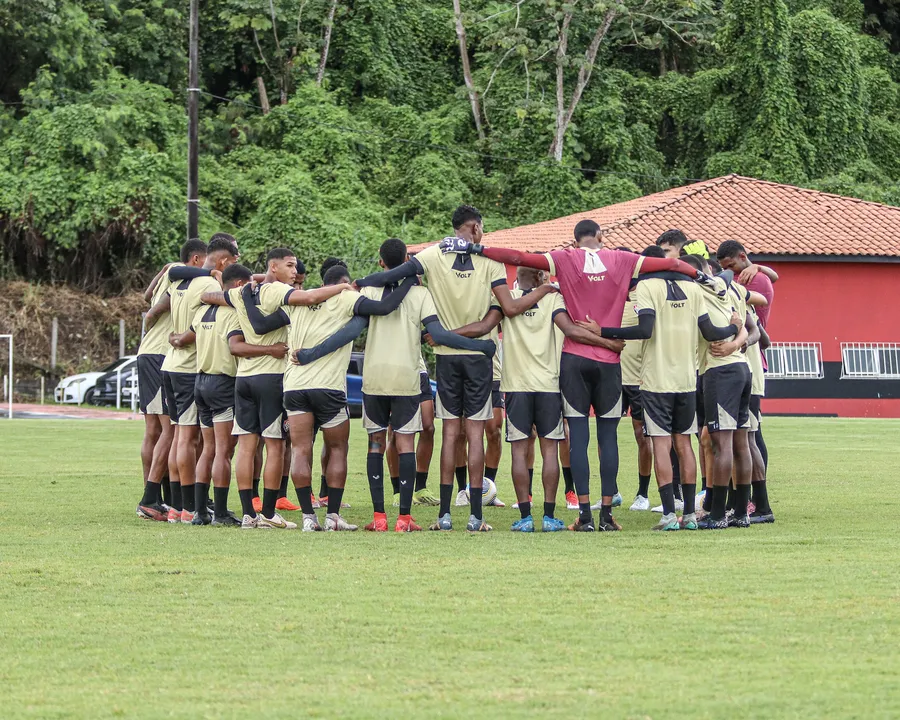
column 546, row 289
column 589, row 324
column 354, row 286
column 616, row 346
column 490, row 348
column 294, row 360
column 278, row 350
column 217, row 274
column 723, row 348
column 430, row 340
column 747, row 274
column 174, row 340
column 455, row 245
column 737, row 320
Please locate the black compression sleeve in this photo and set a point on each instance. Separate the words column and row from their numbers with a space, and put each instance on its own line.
column 261, row 323
column 344, row 336
column 712, row 333
column 444, row 337
column 388, row 303
column 641, row 331
column 410, row 268
column 186, row 272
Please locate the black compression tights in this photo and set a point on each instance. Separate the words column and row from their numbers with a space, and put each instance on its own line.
column 607, row 440
column 763, row 450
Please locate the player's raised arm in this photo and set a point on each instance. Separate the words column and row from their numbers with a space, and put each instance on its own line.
column 503, row 255
column 511, row 307
column 214, row 298
column 151, row 288
column 314, row 297
column 714, row 333
column 259, row 321
column 368, row 307
column 189, row 272
column 157, row 311
column 408, row 269
column 344, row 336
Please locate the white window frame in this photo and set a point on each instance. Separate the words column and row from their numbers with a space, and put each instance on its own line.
column 778, row 356
column 875, row 368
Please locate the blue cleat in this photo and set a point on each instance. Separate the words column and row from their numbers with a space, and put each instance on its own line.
column 617, row 500
column 525, row 524
column 477, row 525
column 443, row 523
column 552, row 524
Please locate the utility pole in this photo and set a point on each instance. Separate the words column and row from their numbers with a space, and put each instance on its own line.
column 193, row 209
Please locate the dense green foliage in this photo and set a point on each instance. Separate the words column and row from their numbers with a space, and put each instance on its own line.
column 374, row 130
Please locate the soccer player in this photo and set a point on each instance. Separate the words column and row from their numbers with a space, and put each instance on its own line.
column 258, row 385
column 762, row 511
column 594, row 282
column 671, row 309
column 462, row 286
column 671, row 243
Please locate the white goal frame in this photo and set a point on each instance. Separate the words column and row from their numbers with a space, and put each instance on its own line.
column 10, row 382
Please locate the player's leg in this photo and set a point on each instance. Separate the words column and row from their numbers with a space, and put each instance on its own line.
column 221, row 473
column 475, row 441
column 449, row 408
column 566, row 466
column 424, row 453
column 478, row 410
column 520, row 417
column 606, row 399
column 684, row 426
column 405, row 417
column 151, row 503
column 323, row 481
column 152, row 431
column 301, row 424
column 203, row 477
column 393, row 463
column 532, row 440
column 519, row 458
column 645, row 462
column 461, row 471
column 659, row 411
column 450, row 436
column 336, row 438
column 375, row 423
column 284, row 502
column 257, row 473
column 248, row 431
column 493, row 441
column 762, row 512
column 548, row 426
column 573, row 376
column 743, row 460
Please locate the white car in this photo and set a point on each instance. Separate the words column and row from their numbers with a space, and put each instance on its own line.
column 79, row 389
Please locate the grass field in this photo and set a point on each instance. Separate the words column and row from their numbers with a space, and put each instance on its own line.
column 104, row 615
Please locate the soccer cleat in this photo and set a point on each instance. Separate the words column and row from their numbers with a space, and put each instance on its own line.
column 257, row 504
column 699, row 497
column 311, row 523
column 679, row 506
column 552, row 524
column 442, row 523
column 396, row 502
column 274, row 522
column 228, row 520
column 497, row 502
column 617, row 500
column 316, row 504
column 611, row 526
column 173, row 516
column 423, row 497
column 462, row 498
column 709, row 524
column 152, row 512
column 667, row 523
column 187, row 517
column 323, row 503
column 516, row 505
column 249, row 523
column 571, row 500
column 525, row 525
column 742, row 521
column 688, row 522
column 378, row 524
column 285, row 504
column 202, row 519
column 334, row 523
column 640, row 503
column 758, row 518
column 406, row 523
column 579, row 526
column 477, row 525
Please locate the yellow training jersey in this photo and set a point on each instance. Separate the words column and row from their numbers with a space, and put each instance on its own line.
column 156, row 340
column 270, row 297
column 213, row 325
column 531, row 354
column 719, row 308
column 185, row 296
column 630, row 358
column 754, row 360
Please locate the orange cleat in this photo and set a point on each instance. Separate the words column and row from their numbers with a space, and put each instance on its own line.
column 257, row 504
column 174, row 516
column 571, row 501
column 379, row 524
column 285, row 504
column 405, row 523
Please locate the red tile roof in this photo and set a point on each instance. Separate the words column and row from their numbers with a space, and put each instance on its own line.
column 767, row 218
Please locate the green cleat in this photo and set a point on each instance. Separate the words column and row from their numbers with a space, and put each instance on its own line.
column 423, row 497
column 667, row 523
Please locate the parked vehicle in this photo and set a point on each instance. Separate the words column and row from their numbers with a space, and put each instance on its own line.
column 106, row 385
column 81, row 388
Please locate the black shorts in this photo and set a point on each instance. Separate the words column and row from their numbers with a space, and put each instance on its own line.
column 214, row 395
column 180, row 397
column 631, row 402
column 587, row 384
column 726, row 397
column 669, row 413
column 257, row 405
column 496, row 396
column 425, row 394
column 328, row 407
column 150, row 385
column 701, row 408
column 464, row 387
column 541, row 411
column 403, row 413
column 755, row 412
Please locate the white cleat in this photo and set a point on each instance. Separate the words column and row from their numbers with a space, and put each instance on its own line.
column 249, row 523
column 311, row 523
column 334, row 523
column 640, row 503
column 497, row 502
column 679, row 506
column 462, row 498
column 274, row 522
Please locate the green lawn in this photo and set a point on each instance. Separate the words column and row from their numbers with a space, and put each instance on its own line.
column 105, row 615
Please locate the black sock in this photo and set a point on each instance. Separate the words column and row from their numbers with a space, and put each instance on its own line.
column 606, row 513
column 525, row 508
column 220, row 498
column 530, row 481
column 395, row 484
column 584, row 512
column 690, row 496
column 335, row 495
column 247, row 502
column 201, row 498
column 151, row 492
column 475, row 495
column 323, row 488
column 761, row 496
column 270, row 497
column 667, row 495
column 719, row 498
column 490, row 473
column 741, row 498
column 256, row 487
column 461, row 477
column 707, row 499
column 282, row 491
column 703, row 480
column 421, row 480
column 187, row 497
column 407, row 481
column 166, row 488
column 643, row 485
column 305, row 498
column 446, row 495
column 176, row 497
column 375, row 471
column 549, row 509
column 567, row 479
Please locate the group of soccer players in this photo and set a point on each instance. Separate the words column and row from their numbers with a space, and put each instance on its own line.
column 232, row 363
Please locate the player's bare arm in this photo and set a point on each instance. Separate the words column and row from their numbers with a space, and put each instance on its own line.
column 157, row 311
column 586, row 334
column 214, row 298
column 240, row 348
column 184, row 339
column 512, row 307
column 314, row 297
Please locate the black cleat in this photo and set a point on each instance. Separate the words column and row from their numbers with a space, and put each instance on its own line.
column 611, row 526
column 708, row 523
column 579, row 526
column 758, row 518
column 228, row 521
column 201, row 518
column 156, row 511
column 742, row 521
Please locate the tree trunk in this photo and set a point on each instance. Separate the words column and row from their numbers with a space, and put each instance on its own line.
column 556, row 147
column 467, row 72
column 323, row 58
column 263, row 95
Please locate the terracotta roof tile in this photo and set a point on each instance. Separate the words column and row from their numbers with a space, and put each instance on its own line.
column 768, row 218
